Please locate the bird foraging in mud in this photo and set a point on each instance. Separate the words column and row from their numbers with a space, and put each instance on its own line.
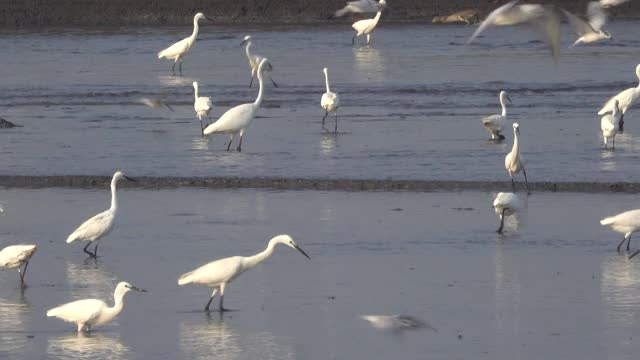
column 506, row 204
column 17, row 256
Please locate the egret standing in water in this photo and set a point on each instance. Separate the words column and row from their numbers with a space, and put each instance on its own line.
column 178, row 50
column 627, row 223
column 609, row 125
column 202, row 105
column 236, row 120
column 513, row 162
column 365, row 27
column 15, row 256
column 625, row 99
column 100, row 225
column 93, row 312
column 495, row 123
column 330, row 102
column 254, row 62
column 506, row 204
column 218, row 274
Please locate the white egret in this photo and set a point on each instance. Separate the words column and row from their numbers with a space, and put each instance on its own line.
column 254, row 62
column 610, row 3
column 330, row 102
column 361, row 6
column 155, row 103
column 365, row 27
column 218, row 274
column 15, row 256
column 609, row 125
column 93, row 312
column 236, row 120
column 626, row 99
column 178, row 50
column 396, row 323
column 100, row 225
column 627, row 223
column 543, row 18
column 202, row 105
column 513, row 162
column 589, row 31
column 506, row 204
column 495, row 123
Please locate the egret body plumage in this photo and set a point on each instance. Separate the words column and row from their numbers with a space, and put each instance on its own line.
column 609, row 125
column 17, row 256
column 177, row 51
column 495, row 123
column 361, row 6
column 589, row 31
column 330, row 101
column 513, row 162
column 255, row 60
column 626, row 223
column 202, row 105
column 506, row 204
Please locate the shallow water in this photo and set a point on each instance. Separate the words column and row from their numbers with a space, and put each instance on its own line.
column 552, row 287
column 412, row 103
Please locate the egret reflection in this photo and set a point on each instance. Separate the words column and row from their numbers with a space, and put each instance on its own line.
column 368, row 64
column 508, row 293
column 620, row 287
column 93, row 346
column 89, row 279
column 14, row 322
column 328, row 143
column 177, row 81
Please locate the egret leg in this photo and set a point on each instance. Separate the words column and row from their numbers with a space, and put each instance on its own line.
column 80, row 327
column 230, row 141
column 368, row 39
column 326, row 113
column 526, row 183
column 222, row 286
column 180, row 67
column 621, row 242
column 213, row 295
column 87, row 251
column 173, row 68
column 613, row 142
column 353, row 39
column 335, row 130
column 201, row 127
column 499, row 231
column 239, row 148
column 634, row 254
column 251, row 82
column 621, row 123
column 628, row 242
column 513, row 184
column 95, row 250
column 23, row 272
column 273, row 82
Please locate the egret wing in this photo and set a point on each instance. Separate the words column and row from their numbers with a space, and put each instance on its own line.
column 582, row 27
column 215, row 272
column 232, row 121
column 607, row 3
column 80, row 311
column 93, row 228
column 175, row 49
column 492, row 17
column 597, row 16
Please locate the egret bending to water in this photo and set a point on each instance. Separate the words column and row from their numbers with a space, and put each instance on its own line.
column 15, row 256
column 236, row 120
column 495, row 123
column 330, row 102
column 93, row 312
column 626, row 99
column 178, row 50
column 627, row 223
column 609, row 125
column 506, row 204
column 202, row 105
column 365, row 27
column 254, row 61
column 513, row 162
column 590, row 31
column 361, row 6
column 219, row 273
column 100, row 225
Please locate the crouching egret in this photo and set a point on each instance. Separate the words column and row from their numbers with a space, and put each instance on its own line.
column 396, row 323
column 590, row 31
column 93, row 312
column 15, row 256
column 495, row 123
column 330, row 102
column 255, row 60
column 609, row 125
column 365, row 27
column 361, row 6
column 178, row 50
column 202, row 105
column 506, row 204
column 627, row 223
column 626, row 99
column 236, row 120
column 219, row 273
column 100, row 225
column 513, row 162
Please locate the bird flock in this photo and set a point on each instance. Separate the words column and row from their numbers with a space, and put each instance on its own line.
column 218, row 274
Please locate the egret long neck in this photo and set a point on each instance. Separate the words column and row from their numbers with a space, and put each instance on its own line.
column 251, row 261
column 258, row 101
column 376, row 18
column 194, row 34
column 514, row 150
column 112, row 312
column 195, row 90
column 247, row 49
column 504, row 107
column 114, row 197
column 326, row 81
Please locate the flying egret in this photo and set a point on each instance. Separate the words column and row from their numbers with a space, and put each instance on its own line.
column 626, row 99
column 513, row 162
column 590, row 31
column 202, row 105
column 237, row 119
column 396, row 323
column 178, row 50
column 93, row 312
column 100, row 225
column 330, row 102
column 219, row 273
column 254, row 61
column 361, row 6
column 506, row 204
column 610, row 3
column 469, row 17
column 365, row 27
column 155, row 103
column 627, row 223
column 609, row 125
column 495, row 123
column 15, row 256
column 543, row 18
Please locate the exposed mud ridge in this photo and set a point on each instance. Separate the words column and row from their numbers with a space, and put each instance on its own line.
column 39, row 13
column 88, row 182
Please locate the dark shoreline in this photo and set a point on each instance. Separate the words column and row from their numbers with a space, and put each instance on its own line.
column 87, row 13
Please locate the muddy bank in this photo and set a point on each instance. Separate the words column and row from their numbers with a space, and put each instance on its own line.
column 272, row 183
column 37, row 13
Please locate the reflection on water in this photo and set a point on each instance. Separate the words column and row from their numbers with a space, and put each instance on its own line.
column 200, row 143
column 96, row 345
column 620, row 290
column 214, row 339
column 174, row 80
column 368, row 64
column 328, row 143
column 13, row 324
column 507, row 295
column 90, row 279
column 608, row 159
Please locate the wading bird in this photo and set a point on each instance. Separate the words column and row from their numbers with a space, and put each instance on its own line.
column 589, row 31
column 178, row 50
column 513, row 162
column 100, row 225
column 93, row 312
column 365, row 27
column 495, row 123
column 609, row 125
column 236, row 120
column 330, row 102
column 396, row 323
column 626, row 99
column 218, row 274
column 361, row 6
column 15, row 256
column 202, row 105
column 254, row 62
column 506, row 204
column 626, row 223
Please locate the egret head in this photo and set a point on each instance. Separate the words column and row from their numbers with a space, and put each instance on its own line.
column 287, row 240
column 247, row 38
column 516, row 128
column 195, row 85
column 120, row 175
column 504, row 95
column 201, row 16
column 124, row 287
column 383, row 2
column 607, row 35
